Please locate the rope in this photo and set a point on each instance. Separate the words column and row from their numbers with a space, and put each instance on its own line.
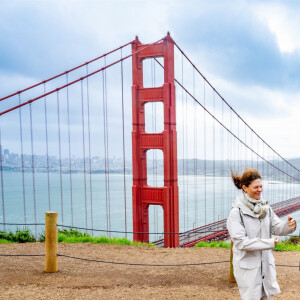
column 20, row 224
column 144, row 265
column 22, row 254
column 133, row 264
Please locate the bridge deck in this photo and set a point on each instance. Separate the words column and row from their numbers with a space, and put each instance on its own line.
column 218, row 230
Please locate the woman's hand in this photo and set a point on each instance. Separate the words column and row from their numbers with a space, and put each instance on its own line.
column 275, row 240
column 292, row 223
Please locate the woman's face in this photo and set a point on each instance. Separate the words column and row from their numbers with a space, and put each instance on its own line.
column 255, row 189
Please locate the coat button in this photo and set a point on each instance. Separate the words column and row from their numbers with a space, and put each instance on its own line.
column 263, row 277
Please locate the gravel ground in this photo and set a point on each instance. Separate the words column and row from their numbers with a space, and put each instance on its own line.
column 24, row 277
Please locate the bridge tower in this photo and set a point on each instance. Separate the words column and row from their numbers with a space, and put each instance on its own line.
column 142, row 194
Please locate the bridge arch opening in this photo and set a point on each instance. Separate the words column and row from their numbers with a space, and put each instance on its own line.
column 156, row 223
column 154, row 117
column 155, row 168
column 153, row 72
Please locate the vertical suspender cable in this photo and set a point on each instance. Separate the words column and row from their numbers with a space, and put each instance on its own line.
column 155, row 152
column 187, row 164
column 229, row 182
column 123, row 139
column 238, row 144
column 89, row 143
column 69, row 144
column 195, row 153
column 60, row 164
column 32, row 168
column 214, row 162
column 22, row 161
column 222, row 164
column 47, row 149
column 252, row 159
column 2, row 185
column 153, row 130
column 183, row 154
column 83, row 151
column 105, row 160
column 107, row 150
column 263, row 163
column 246, row 150
column 204, row 143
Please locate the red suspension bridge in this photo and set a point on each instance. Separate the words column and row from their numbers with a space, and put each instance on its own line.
column 66, row 146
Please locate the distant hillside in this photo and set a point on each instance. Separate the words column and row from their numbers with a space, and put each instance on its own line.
column 295, row 162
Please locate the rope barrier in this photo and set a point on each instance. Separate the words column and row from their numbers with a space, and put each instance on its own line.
column 22, row 254
column 144, row 265
column 134, row 264
column 119, row 231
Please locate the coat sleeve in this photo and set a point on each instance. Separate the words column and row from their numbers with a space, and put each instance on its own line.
column 239, row 236
column 279, row 227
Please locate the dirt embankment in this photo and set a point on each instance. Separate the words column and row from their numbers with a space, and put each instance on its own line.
column 24, row 277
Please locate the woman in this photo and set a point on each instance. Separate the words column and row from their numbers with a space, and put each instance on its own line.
column 251, row 224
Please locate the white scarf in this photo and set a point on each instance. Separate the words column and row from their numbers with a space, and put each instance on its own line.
column 259, row 207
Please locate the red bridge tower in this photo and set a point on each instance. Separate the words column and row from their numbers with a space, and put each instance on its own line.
column 142, row 194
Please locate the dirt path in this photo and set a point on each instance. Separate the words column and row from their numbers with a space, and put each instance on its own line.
column 24, row 277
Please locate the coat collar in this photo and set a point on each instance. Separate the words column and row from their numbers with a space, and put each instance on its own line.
column 243, row 207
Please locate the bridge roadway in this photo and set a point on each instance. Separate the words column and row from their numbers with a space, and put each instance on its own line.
column 217, row 231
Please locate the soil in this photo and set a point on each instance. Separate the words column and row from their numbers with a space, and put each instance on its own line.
column 24, row 277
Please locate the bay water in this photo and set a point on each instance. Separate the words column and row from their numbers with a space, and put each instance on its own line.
column 104, row 202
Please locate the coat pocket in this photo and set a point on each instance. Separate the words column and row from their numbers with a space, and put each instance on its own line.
column 250, row 264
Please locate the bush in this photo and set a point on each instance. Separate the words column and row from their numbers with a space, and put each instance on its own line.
column 21, row 236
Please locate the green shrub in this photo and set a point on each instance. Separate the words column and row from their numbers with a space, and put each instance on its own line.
column 20, row 236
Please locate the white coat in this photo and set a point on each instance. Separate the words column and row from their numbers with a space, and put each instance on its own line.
column 253, row 261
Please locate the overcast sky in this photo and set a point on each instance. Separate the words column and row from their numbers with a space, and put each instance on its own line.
column 249, row 50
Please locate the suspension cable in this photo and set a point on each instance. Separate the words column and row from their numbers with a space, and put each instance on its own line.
column 65, row 73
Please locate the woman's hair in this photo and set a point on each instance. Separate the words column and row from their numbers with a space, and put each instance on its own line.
column 246, row 178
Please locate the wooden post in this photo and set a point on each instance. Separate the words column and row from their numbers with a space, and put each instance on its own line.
column 51, row 261
column 231, row 275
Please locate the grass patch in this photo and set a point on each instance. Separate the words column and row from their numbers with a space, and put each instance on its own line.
column 290, row 244
column 3, row 241
column 75, row 236
column 65, row 236
column 214, row 244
